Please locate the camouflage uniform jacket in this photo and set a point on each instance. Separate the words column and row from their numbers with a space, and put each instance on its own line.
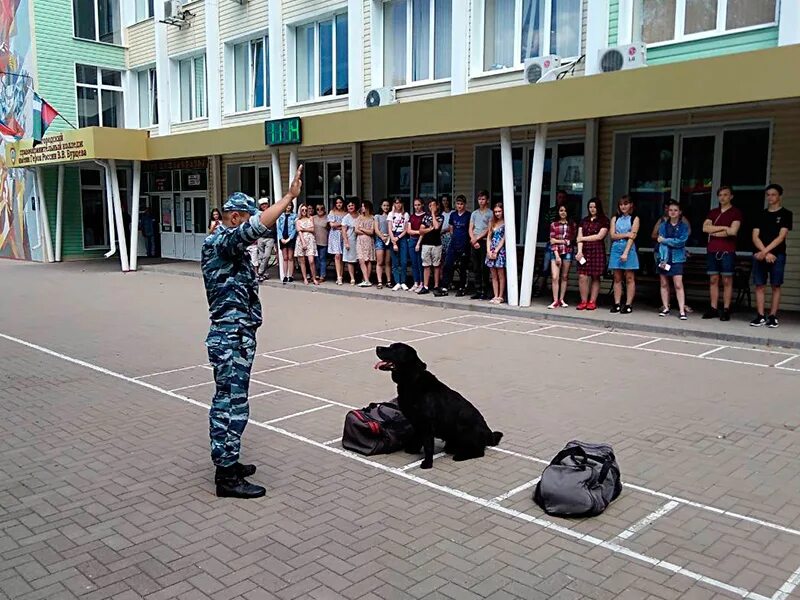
column 230, row 280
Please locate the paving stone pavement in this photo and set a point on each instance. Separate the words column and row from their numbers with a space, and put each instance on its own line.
column 106, row 487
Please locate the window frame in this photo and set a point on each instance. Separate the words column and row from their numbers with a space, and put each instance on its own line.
column 680, row 16
column 479, row 44
column 293, row 41
column 100, row 86
column 230, row 48
column 96, row 38
column 717, row 129
column 410, row 82
column 413, row 155
column 149, row 13
column 193, row 82
column 152, row 96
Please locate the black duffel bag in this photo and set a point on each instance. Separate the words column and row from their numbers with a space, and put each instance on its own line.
column 379, row 428
column 581, row 481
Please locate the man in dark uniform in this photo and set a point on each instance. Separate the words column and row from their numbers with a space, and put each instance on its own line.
column 235, row 312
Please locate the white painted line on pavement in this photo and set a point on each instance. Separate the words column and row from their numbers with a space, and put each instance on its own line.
column 327, row 347
column 167, row 372
column 593, row 335
column 786, row 360
column 609, row 545
column 188, row 387
column 297, row 414
column 516, row 490
column 648, row 520
column 647, row 343
column 377, row 339
column 418, row 462
column 787, row 588
column 710, row 352
column 262, row 394
column 286, row 360
column 333, row 441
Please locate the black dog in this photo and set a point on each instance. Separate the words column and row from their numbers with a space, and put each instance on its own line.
column 433, row 409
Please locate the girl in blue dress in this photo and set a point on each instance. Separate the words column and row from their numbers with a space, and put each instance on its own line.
column 496, row 253
column 624, row 259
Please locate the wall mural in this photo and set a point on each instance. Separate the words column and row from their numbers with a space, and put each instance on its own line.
column 20, row 235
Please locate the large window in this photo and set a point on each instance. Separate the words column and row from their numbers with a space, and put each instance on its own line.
column 99, row 93
column 144, row 9
column 321, row 59
column 690, row 166
column 656, row 21
column 516, row 30
column 416, row 40
column 97, row 20
column 94, row 208
column 192, row 75
column 324, row 180
column 251, row 74
column 148, row 97
column 563, row 172
column 424, row 175
column 255, row 180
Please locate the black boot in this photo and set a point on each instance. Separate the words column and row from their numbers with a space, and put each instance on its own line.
column 232, row 485
column 240, row 470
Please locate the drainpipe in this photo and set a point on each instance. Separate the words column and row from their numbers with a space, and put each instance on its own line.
column 48, row 241
column 123, row 250
column 112, row 238
column 137, row 173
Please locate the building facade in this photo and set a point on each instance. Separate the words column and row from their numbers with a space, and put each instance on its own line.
column 460, row 107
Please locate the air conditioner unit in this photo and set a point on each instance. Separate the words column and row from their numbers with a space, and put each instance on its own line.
column 174, row 14
column 619, row 58
column 537, row 68
column 380, row 97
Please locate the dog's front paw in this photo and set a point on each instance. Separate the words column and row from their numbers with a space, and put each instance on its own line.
column 426, row 464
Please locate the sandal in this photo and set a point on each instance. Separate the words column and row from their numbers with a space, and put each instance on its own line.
column 339, row 281
column 380, row 285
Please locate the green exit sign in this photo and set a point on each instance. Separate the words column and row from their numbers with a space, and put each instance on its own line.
column 283, row 131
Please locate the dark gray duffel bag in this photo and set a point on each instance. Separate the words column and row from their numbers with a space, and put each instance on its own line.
column 581, row 481
column 379, row 428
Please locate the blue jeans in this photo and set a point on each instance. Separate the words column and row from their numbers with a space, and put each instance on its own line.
column 415, row 257
column 399, row 264
column 322, row 259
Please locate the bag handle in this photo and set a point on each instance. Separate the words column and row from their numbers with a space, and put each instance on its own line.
column 572, row 451
column 609, row 462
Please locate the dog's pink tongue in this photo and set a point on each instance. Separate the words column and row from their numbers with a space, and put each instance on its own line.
column 379, row 364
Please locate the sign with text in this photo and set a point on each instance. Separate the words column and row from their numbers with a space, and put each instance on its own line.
column 66, row 146
column 280, row 132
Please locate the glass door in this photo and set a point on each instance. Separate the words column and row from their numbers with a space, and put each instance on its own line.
column 697, row 182
column 167, row 227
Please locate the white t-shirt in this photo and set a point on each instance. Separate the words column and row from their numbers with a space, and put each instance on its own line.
column 397, row 222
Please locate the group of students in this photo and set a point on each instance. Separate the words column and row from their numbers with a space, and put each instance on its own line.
column 438, row 241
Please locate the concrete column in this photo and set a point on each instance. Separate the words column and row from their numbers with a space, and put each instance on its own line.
column 276, row 70
column 789, row 22
column 112, row 234
column 213, row 67
column 509, row 210
column 590, row 161
column 596, row 33
column 277, row 194
column 293, row 170
column 459, row 60
column 162, row 70
column 534, row 206
column 355, row 54
column 123, row 250
column 48, row 241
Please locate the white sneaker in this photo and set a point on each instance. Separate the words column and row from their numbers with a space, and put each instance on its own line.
column 397, row 287
column 404, row 287
column 563, row 304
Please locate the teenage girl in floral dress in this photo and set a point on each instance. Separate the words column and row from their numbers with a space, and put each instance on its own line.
column 496, row 253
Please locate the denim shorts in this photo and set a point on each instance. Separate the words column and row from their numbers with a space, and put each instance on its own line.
column 761, row 269
column 566, row 256
column 720, row 263
column 380, row 244
column 675, row 270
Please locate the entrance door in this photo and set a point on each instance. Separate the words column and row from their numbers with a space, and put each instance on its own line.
column 697, row 182
column 195, row 210
column 167, row 227
column 324, row 180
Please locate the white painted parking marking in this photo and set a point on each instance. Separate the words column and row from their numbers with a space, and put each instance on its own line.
column 648, row 520
column 297, row 414
column 167, row 372
column 647, row 343
column 593, row 335
column 710, row 352
column 377, row 339
column 286, row 360
column 418, row 462
column 787, row 588
column 786, row 360
column 334, row 348
column 520, row 488
column 465, row 496
column 333, row 441
column 263, row 394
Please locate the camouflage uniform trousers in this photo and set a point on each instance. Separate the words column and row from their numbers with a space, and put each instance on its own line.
column 231, row 353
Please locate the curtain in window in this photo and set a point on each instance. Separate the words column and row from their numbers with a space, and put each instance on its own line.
column 143, row 87
column 498, row 36
column 701, row 15
column 326, row 58
column 421, row 40
column 153, row 97
column 200, row 86
column 185, row 68
column 257, row 73
column 305, row 62
column 241, row 76
column 394, row 42
column 442, row 36
column 532, row 21
column 656, row 19
column 342, row 76
column 565, row 28
column 746, row 13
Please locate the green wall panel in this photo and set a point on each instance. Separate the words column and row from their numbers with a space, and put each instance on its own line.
column 613, row 22
column 757, row 39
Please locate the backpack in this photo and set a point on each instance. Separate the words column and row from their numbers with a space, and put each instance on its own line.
column 379, row 428
column 581, row 481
